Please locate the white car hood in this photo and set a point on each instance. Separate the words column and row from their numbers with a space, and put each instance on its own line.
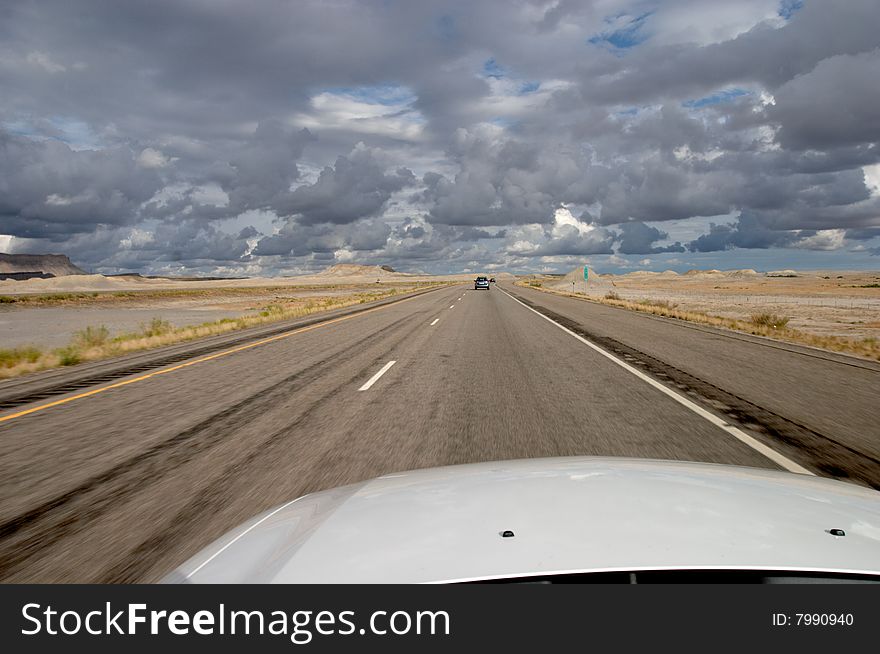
column 567, row 515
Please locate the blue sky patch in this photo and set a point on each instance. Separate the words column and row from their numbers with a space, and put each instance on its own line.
column 21, row 128
column 493, row 69
column 529, row 87
column 75, row 133
column 787, row 8
column 388, row 95
column 716, row 98
column 502, row 122
column 625, row 37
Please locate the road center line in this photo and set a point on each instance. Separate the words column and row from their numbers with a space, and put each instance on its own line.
column 452, row 306
column 375, row 377
column 436, row 320
column 737, row 433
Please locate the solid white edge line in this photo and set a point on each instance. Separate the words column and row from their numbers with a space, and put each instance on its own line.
column 375, row 377
column 244, row 533
column 436, row 320
column 737, row 433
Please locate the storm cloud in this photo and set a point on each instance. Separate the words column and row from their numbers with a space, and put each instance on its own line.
column 639, row 238
column 264, row 137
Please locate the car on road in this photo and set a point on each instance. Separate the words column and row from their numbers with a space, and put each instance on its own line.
column 481, row 282
column 491, row 280
column 588, row 519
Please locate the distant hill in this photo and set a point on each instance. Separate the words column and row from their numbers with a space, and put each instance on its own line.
column 52, row 264
column 351, row 269
column 574, row 281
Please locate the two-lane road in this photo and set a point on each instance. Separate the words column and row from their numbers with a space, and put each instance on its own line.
column 125, row 483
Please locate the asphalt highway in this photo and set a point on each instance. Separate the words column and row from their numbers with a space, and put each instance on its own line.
column 121, row 481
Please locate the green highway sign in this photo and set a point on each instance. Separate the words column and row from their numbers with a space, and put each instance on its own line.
column 586, row 272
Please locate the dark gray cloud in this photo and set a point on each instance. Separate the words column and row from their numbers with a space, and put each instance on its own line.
column 475, row 234
column 559, row 240
column 747, row 232
column 356, row 186
column 165, row 248
column 573, row 243
column 639, row 238
column 766, row 54
column 268, row 136
column 261, row 172
column 863, row 234
column 301, row 239
column 48, row 190
column 832, row 105
column 501, row 180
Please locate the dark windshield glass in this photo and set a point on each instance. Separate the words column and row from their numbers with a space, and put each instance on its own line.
column 744, row 576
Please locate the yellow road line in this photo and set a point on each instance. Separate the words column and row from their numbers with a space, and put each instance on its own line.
column 210, row 357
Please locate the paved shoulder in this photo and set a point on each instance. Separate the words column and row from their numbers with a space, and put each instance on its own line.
column 807, row 403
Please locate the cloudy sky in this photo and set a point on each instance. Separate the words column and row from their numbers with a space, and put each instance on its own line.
column 273, row 136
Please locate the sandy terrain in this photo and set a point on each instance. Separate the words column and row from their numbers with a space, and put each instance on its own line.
column 339, row 274
column 818, row 302
column 54, row 325
column 51, row 327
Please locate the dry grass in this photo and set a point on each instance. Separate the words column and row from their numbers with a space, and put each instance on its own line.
column 769, row 320
column 769, row 325
column 18, row 356
column 94, row 343
column 663, row 304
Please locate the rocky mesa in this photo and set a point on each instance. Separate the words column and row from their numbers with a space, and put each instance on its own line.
column 56, row 265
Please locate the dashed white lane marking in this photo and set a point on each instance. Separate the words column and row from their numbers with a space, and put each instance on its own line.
column 375, row 377
column 739, row 434
column 452, row 306
column 436, row 320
